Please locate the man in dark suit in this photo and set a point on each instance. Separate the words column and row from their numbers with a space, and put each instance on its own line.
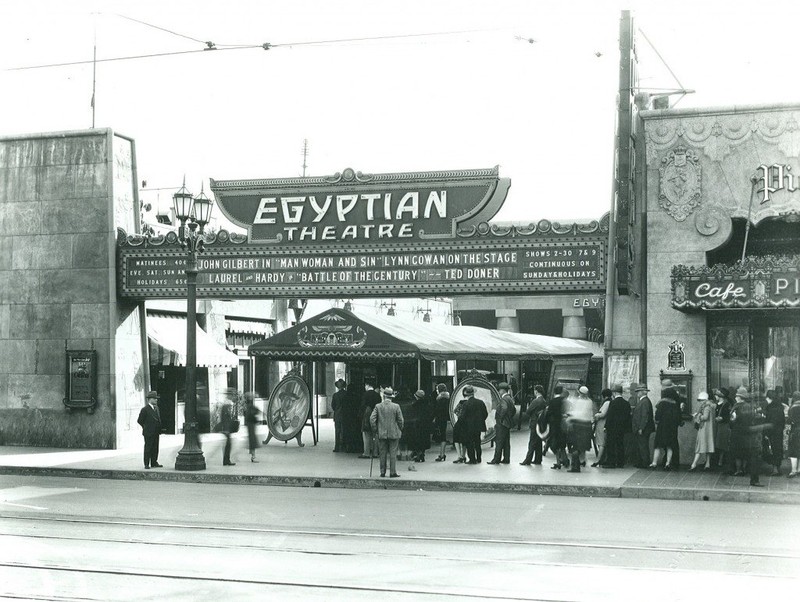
column 338, row 406
column 475, row 415
column 643, row 425
column 618, row 422
column 150, row 421
column 226, row 428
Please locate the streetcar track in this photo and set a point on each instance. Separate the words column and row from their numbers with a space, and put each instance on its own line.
column 398, row 537
column 288, row 550
column 238, row 581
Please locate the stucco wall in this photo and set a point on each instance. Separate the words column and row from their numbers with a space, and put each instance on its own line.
column 723, row 148
column 57, row 285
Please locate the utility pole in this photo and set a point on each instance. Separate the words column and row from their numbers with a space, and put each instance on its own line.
column 305, row 155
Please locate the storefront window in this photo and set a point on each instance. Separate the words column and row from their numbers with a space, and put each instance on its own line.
column 770, row 350
column 779, row 364
column 729, row 357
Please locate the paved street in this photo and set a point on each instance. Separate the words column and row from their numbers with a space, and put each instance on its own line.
column 288, row 464
column 65, row 538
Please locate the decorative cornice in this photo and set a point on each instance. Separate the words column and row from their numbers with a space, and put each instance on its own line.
column 170, row 239
column 543, row 228
column 348, row 176
column 741, row 269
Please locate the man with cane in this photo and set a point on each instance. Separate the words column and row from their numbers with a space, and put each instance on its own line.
column 387, row 422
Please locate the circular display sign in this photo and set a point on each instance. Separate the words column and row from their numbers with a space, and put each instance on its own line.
column 485, row 391
column 288, row 408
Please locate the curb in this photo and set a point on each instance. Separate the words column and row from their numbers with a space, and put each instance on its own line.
column 624, row 491
column 711, row 495
column 331, row 482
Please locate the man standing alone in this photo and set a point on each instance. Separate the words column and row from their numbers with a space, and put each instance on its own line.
column 475, row 415
column 387, row 422
column 535, row 408
column 226, row 428
column 150, row 421
column 618, row 422
column 338, row 406
column 504, row 420
column 643, row 425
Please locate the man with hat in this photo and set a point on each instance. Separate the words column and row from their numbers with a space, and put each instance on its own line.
column 642, row 424
column 419, row 430
column 747, row 424
column 338, row 406
column 503, row 421
column 474, row 417
column 387, row 422
column 578, row 419
column 150, row 421
column 555, row 421
column 618, row 422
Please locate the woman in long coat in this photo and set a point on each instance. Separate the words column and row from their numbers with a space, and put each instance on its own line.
column 419, row 439
column 460, row 433
column 704, row 422
column 251, row 413
column 722, row 425
column 441, row 416
column 668, row 420
column 600, row 426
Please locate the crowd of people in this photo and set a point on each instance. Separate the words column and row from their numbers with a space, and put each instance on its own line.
column 734, row 434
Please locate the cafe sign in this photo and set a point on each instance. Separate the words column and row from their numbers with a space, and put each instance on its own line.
column 352, row 207
column 758, row 282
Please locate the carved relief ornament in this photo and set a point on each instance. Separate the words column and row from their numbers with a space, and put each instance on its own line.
column 679, row 183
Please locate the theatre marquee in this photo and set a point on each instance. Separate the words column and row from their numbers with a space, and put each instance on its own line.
column 363, row 235
column 486, row 260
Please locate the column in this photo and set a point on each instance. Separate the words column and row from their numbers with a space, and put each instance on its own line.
column 508, row 321
column 574, row 326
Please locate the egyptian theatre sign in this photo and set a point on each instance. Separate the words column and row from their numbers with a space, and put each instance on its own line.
column 355, row 234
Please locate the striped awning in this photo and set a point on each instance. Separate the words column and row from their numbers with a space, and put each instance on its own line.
column 340, row 335
column 167, row 335
column 235, row 325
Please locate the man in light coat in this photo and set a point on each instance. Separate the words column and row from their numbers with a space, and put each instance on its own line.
column 578, row 414
column 642, row 424
column 387, row 422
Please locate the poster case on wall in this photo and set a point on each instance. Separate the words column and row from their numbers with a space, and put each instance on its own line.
column 623, row 366
column 81, row 380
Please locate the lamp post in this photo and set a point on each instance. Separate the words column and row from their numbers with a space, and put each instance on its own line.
column 194, row 214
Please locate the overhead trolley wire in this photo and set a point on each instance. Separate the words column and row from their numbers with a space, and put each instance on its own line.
column 264, row 46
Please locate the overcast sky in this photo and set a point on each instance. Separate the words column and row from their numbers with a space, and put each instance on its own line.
column 542, row 110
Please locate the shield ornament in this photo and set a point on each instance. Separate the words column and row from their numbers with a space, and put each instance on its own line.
column 679, row 183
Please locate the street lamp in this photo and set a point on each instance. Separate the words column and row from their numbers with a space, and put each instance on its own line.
column 194, row 214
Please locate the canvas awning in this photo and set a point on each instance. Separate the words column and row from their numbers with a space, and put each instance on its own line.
column 240, row 326
column 339, row 335
column 167, row 334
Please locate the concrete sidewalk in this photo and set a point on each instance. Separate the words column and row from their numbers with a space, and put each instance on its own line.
column 316, row 466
